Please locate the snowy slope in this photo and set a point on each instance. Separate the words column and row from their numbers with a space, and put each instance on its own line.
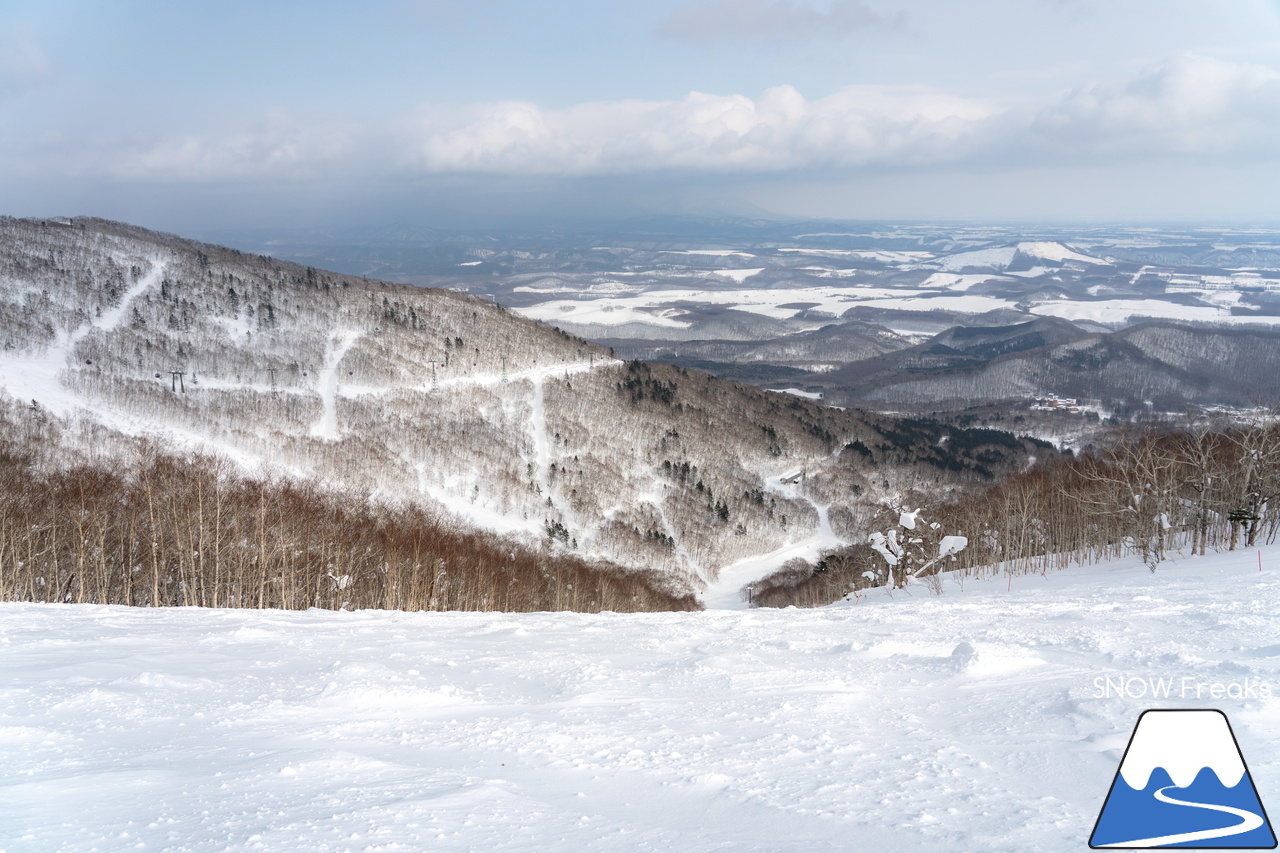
column 966, row 722
column 1056, row 252
column 997, row 258
column 1001, row 257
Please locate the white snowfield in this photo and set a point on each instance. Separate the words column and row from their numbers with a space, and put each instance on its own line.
column 999, row 258
column 973, row 721
column 942, row 291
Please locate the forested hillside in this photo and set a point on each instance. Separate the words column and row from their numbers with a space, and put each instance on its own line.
column 1161, row 364
column 441, row 401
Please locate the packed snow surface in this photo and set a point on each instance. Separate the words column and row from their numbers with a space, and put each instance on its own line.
column 968, row 721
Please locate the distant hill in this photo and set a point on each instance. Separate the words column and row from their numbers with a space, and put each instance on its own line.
column 1161, row 364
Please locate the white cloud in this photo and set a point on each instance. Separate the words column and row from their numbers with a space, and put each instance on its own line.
column 714, row 19
column 778, row 131
column 1191, row 107
column 1188, row 105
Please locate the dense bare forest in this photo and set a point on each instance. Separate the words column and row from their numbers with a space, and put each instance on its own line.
column 163, row 529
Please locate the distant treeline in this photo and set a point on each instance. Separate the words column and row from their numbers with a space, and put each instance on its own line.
column 190, row 530
column 1149, row 492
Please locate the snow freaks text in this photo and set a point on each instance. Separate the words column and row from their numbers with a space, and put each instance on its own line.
column 1178, row 687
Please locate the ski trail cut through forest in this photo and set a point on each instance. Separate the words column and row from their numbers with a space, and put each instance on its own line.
column 461, row 504
column 725, row 592
column 113, row 317
column 339, row 344
column 39, row 379
column 533, row 374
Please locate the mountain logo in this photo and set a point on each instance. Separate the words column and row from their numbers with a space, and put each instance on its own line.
column 1183, row 783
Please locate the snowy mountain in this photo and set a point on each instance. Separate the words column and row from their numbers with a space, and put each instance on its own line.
column 432, row 397
column 787, row 305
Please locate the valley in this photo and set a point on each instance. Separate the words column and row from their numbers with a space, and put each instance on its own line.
column 914, row 318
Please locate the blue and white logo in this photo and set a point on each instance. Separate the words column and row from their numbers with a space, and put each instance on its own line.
column 1183, row 783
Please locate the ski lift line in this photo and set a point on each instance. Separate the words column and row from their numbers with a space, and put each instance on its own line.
column 530, row 373
column 440, row 365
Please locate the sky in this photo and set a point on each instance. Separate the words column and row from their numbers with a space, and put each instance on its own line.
column 201, row 115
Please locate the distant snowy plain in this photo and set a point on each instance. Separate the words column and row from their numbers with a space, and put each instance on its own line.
column 970, row 721
column 610, row 304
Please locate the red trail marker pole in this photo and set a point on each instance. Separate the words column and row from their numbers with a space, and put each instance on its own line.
column 1259, row 559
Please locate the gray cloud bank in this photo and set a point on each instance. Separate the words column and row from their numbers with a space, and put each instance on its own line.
column 1189, row 106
